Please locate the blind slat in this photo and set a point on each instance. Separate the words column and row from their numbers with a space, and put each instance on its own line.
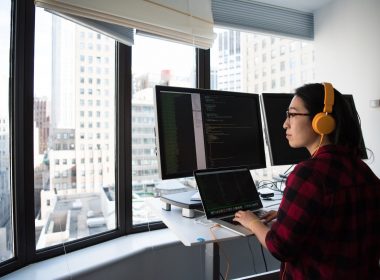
column 251, row 15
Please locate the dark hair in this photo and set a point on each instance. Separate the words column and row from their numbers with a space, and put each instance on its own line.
column 347, row 131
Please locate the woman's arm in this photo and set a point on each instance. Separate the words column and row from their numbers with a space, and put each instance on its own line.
column 252, row 222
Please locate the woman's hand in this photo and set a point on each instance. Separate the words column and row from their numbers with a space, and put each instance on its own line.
column 254, row 224
column 246, row 218
column 270, row 216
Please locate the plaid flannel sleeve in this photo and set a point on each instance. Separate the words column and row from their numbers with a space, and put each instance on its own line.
column 296, row 216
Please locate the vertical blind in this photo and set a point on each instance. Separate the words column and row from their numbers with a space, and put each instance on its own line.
column 252, row 15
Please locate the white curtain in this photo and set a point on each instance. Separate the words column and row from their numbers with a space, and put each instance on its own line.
column 188, row 21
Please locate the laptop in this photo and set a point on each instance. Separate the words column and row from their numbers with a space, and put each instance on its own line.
column 224, row 191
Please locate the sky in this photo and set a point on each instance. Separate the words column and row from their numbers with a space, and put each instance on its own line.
column 42, row 53
column 163, row 55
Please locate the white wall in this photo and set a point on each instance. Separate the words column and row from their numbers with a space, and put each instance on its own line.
column 347, row 53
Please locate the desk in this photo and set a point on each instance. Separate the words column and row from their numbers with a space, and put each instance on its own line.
column 190, row 230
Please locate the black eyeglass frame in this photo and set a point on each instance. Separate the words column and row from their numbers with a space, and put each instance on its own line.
column 290, row 115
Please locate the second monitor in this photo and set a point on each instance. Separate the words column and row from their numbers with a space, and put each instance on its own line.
column 274, row 106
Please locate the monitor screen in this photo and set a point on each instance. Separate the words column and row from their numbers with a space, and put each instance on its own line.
column 199, row 129
column 274, row 106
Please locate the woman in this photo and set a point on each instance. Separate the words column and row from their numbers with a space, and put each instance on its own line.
column 328, row 223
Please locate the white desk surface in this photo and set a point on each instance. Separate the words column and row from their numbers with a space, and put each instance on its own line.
column 189, row 230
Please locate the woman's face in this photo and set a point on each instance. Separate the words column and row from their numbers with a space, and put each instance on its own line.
column 299, row 131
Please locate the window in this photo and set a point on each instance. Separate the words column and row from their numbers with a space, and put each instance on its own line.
column 59, row 222
column 257, row 61
column 154, row 61
column 277, row 72
column 6, row 217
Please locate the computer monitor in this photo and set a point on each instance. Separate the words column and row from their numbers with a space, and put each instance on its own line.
column 198, row 129
column 274, row 106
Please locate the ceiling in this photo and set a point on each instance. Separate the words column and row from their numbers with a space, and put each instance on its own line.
column 301, row 5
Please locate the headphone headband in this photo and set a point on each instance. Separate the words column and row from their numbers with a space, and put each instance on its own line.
column 323, row 123
column 329, row 98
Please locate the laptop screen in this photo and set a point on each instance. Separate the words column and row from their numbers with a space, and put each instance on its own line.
column 225, row 191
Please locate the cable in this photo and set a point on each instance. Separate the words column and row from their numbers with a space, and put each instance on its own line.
column 221, row 250
column 66, row 257
column 202, row 220
column 319, row 145
column 202, row 265
column 265, row 262
column 283, row 273
column 253, row 257
column 287, row 170
column 147, row 219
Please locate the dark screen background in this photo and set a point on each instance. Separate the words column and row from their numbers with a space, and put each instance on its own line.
column 227, row 192
column 275, row 105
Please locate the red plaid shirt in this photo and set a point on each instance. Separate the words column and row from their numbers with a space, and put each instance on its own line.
column 328, row 224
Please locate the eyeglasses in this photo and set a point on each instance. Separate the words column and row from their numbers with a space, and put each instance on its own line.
column 290, row 115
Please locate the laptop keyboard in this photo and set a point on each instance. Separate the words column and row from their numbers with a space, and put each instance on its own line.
column 259, row 214
column 230, row 220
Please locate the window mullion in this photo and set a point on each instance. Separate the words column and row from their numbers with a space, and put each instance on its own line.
column 124, row 144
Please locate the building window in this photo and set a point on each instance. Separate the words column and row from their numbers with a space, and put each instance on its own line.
column 65, row 114
column 6, row 204
column 152, row 68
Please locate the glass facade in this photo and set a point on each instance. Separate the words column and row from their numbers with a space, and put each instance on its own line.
column 74, row 131
column 6, row 217
column 154, row 62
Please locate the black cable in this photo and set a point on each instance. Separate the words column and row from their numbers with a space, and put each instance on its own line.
column 221, row 275
column 272, row 185
column 253, row 258
column 265, row 262
column 267, row 182
column 287, row 170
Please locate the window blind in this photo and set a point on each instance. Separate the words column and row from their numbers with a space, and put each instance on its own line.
column 252, row 15
column 188, row 21
column 122, row 34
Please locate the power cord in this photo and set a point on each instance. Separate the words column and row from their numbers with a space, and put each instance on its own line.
column 66, row 257
column 221, row 251
column 265, row 262
column 253, row 257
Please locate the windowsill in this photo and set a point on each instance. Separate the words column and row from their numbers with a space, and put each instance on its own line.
column 88, row 259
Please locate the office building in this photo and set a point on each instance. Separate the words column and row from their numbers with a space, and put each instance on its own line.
column 258, row 63
column 83, row 103
column 5, row 192
column 42, row 123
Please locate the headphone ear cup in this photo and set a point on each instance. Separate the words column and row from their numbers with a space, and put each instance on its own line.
column 323, row 123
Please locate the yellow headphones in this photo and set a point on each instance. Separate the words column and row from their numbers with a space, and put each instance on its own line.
column 323, row 123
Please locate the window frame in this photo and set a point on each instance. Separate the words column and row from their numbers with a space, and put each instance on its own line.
column 21, row 141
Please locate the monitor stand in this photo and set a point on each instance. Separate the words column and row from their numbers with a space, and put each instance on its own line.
column 183, row 200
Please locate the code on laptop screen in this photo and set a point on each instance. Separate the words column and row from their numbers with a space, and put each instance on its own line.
column 227, row 191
